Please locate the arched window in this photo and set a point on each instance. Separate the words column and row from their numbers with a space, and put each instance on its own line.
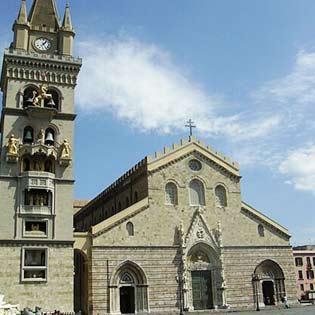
column 170, row 194
column 130, row 229
column 196, row 192
column 54, row 101
column 220, row 196
column 28, row 96
column 28, row 135
column 261, row 230
column 49, row 137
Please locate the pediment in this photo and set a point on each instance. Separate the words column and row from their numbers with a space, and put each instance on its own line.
column 184, row 149
column 200, row 232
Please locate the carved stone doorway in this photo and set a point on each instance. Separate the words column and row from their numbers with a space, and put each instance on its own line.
column 202, row 290
column 127, row 300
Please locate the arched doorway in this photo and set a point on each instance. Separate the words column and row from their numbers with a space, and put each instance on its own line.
column 80, row 282
column 204, row 278
column 270, row 283
column 128, row 290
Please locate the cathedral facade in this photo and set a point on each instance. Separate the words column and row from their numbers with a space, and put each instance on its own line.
column 174, row 234
column 170, row 235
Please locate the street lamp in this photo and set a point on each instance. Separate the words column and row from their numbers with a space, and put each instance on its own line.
column 255, row 280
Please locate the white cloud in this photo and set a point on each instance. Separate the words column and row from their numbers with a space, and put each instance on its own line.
column 299, row 166
column 141, row 86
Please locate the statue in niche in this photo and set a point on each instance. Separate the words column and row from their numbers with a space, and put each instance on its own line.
column 41, row 136
column 65, row 150
column 41, row 95
column 12, row 145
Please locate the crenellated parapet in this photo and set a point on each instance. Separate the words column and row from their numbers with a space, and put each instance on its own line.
column 178, row 150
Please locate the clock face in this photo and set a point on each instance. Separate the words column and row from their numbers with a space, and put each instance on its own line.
column 42, row 44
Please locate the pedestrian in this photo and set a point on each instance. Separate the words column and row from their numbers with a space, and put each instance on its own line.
column 285, row 302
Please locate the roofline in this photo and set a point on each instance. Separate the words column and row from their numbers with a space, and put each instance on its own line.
column 131, row 171
column 266, row 219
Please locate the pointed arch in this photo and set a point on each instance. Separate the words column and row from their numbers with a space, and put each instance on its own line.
column 220, row 196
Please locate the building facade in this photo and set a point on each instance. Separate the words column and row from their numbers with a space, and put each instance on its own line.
column 38, row 79
column 304, row 257
column 173, row 233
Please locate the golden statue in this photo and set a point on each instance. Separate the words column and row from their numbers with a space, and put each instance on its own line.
column 12, row 145
column 65, row 149
column 41, row 95
column 41, row 136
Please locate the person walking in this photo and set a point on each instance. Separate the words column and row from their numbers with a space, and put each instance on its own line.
column 285, row 302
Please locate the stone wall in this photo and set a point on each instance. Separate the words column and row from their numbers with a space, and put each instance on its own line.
column 56, row 293
column 158, row 264
column 240, row 264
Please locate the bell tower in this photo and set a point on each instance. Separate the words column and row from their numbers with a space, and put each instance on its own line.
column 38, row 80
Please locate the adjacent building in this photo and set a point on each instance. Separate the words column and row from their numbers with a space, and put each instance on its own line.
column 304, row 257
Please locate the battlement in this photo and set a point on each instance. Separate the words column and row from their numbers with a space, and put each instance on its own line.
column 184, row 143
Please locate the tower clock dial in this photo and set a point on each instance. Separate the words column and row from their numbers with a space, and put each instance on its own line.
column 42, row 44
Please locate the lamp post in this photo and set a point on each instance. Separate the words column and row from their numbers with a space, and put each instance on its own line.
column 255, row 280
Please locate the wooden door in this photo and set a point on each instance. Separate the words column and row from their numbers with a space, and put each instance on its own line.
column 202, row 290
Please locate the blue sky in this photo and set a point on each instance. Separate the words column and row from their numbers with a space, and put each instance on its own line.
column 243, row 70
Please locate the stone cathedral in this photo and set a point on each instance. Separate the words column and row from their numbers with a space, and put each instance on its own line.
column 170, row 235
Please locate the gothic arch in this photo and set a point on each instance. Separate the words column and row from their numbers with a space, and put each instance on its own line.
column 128, row 279
column 203, row 266
column 269, row 285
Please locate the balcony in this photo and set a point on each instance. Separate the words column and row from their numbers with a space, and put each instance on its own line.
column 38, row 180
column 37, row 210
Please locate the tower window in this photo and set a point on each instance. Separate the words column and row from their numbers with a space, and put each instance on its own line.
column 36, row 228
column 220, row 196
column 196, row 191
column 52, row 102
column 34, row 264
column 28, row 96
column 130, row 229
column 170, row 194
column 127, row 202
column 28, row 135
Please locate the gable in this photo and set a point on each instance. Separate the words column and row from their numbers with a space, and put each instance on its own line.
column 180, row 151
column 257, row 215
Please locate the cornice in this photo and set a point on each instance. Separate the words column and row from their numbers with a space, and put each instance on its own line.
column 23, row 112
column 6, row 243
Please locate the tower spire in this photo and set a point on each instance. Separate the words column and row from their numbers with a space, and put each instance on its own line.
column 67, row 22
column 44, row 14
column 22, row 17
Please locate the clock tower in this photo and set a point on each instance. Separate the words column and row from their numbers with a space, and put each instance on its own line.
column 38, row 80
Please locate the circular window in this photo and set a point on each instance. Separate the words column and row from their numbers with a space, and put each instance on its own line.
column 194, row 165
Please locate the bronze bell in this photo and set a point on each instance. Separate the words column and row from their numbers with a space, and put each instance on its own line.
column 51, row 103
column 49, row 140
column 28, row 102
column 28, row 138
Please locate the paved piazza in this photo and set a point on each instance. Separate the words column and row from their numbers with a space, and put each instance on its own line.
column 303, row 310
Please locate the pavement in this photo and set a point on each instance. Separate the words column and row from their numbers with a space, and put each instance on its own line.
column 301, row 310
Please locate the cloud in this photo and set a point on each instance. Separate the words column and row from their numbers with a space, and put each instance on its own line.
column 299, row 167
column 141, row 86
